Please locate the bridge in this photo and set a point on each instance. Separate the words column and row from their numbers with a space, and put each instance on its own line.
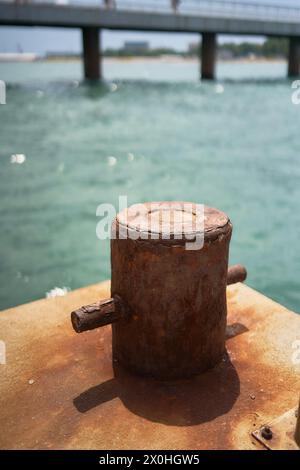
column 206, row 17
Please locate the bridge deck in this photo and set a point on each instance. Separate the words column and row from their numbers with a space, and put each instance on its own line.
column 80, row 16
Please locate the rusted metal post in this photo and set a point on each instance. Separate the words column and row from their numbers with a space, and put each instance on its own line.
column 168, row 307
column 177, row 299
column 91, row 53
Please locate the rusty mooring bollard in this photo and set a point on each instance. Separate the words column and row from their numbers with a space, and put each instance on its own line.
column 168, row 306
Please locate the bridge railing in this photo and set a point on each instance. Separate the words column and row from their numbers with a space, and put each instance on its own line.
column 227, row 8
column 224, row 8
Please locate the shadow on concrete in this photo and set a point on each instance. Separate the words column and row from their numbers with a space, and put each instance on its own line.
column 235, row 329
column 180, row 403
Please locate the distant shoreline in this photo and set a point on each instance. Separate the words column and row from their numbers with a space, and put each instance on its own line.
column 168, row 59
column 175, row 59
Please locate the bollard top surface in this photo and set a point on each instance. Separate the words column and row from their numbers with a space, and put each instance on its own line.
column 173, row 221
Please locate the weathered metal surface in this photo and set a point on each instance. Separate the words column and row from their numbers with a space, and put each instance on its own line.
column 176, row 297
column 101, row 313
column 236, row 273
column 105, row 312
column 279, row 433
column 77, row 400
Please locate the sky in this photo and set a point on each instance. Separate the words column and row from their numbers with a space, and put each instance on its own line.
column 42, row 40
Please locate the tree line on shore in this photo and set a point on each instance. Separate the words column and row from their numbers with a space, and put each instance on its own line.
column 271, row 47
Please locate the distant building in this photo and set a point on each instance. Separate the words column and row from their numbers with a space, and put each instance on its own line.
column 136, row 46
column 18, row 57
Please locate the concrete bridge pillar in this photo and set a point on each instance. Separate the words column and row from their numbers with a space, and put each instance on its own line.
column 294, row 57
column 91, row 53
column 208, row 56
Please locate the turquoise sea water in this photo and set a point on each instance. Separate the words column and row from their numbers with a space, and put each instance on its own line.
column 233, row 144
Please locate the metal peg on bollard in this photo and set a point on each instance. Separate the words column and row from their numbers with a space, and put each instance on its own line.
column 98, row 314
column 236, row 273
column 111, row 310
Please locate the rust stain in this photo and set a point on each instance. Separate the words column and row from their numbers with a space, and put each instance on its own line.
column 79, row 399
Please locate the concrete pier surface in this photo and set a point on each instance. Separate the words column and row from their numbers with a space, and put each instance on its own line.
column 59, row 390
column 207, row 23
